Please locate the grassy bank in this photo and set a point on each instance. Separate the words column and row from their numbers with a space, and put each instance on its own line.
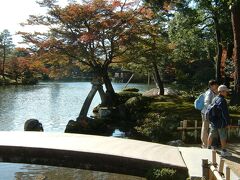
column 156, row 118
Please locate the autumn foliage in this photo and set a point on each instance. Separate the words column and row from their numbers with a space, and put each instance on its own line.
column 94, row 33
column 23, row 67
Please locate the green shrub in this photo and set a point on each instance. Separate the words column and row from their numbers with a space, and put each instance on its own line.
column 189, row 96
column 137, row 102
column 234, row 109
column 30, row 81
column 165, row 174
column 159, row 127
column 125, row 95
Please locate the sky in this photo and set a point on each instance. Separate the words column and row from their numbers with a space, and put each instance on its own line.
column 14, row 12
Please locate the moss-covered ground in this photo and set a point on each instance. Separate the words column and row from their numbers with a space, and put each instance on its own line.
column 154, row 119
column 157, row 118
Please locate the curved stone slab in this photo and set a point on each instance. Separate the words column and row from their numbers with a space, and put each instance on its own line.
column 99, row 153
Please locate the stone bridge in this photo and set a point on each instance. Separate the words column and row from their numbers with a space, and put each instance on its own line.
column 107, row 154
column 99, row 153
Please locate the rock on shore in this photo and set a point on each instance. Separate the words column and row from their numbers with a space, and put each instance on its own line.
column 156, row 92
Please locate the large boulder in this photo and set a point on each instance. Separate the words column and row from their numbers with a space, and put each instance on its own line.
column 88, row 126
column 33, row 125
column 156, row 92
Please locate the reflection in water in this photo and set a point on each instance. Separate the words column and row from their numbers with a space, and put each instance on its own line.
column 7, row 97
column 54, row 104
column 38, row 172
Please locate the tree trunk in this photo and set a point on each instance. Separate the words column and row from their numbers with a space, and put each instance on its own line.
column 107, row 82
column 229, row 56
column 158, row 78
column 219, row 51
column 235, row 15
column 102, row 96
column 88, row 101
column 3, row 64
column 110, row 93
column 230, row 50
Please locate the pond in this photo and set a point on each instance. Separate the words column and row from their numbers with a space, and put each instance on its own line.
column 54, row 104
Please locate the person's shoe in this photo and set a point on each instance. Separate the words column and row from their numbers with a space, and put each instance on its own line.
column 225, row 154
column 212, row 147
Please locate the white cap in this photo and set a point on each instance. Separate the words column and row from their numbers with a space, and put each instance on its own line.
column 222, row 88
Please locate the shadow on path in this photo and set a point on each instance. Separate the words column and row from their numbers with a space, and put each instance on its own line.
column 234, row 148
column 234, row 160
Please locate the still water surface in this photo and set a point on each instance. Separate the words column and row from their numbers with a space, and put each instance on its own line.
column 54, row 104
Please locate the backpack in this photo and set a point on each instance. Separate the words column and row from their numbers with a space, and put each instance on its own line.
column 213, row 112
column 199, row 102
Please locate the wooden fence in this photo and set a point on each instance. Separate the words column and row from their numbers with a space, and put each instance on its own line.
column 184, row 128
column 213, row 171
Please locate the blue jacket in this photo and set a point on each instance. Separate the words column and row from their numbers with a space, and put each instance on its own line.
column 223, row 115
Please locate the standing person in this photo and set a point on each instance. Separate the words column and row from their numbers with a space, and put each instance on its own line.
column 220, row 122
column 210, row 94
